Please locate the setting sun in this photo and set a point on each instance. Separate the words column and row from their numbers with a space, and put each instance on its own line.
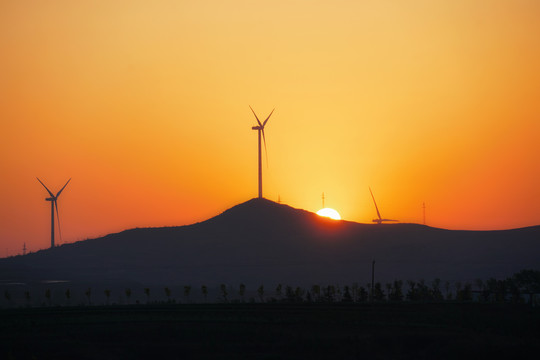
column 328, row 212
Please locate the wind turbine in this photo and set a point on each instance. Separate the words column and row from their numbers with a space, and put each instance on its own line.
column 54, row 204
column 379, row 220
column 260, row 129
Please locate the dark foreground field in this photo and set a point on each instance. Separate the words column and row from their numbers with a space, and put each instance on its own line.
column 271, row 331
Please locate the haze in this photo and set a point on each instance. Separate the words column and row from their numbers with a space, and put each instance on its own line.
column 145, row 105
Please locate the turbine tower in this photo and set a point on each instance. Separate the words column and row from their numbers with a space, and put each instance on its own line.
column 379, row 220
column 54, row 204
column 260, row 130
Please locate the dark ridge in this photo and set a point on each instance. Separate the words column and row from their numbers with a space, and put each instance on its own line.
column 260, row 241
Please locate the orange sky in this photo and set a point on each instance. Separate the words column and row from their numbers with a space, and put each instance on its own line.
column 145, row 105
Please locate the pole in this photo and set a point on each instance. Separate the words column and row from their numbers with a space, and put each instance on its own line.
column 52, row 224
column 424, row 208
column 260, row 167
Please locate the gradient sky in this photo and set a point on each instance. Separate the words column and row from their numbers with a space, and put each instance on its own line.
column 145, row 105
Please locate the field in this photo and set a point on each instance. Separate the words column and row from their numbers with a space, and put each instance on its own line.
column 272, row 331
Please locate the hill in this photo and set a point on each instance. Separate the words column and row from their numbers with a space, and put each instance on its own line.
column 262, row 242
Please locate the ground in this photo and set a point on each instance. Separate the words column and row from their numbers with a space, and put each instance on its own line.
column 271, row 331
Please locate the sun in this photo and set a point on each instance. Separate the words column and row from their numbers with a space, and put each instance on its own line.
column 328, row 212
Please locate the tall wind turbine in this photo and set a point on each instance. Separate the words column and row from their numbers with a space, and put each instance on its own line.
column 260, row 130
column 379, row 220
column 54, row 204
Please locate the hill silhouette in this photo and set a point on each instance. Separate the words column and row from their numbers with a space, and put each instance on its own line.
column 262, row 242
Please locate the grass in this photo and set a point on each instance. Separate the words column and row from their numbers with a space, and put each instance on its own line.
column 271, row 331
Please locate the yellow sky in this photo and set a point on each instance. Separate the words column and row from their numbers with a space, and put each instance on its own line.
column 145, row 105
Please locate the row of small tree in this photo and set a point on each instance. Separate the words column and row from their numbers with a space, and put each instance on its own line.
column 515, row 289
column 107, row 292
column 520, row 287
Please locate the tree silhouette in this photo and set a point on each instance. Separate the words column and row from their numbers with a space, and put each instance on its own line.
column 484, row 293
column 316, row 290
column 363, row 295
column 68, row 296
column 436, row 293
column 289, row 294
column 378, row 293
column 388, row 290
column 204, row 291
column 479, row 285
column 107, row 295
column 528, row 282
column 27, row 297
column 48, row 296
column 494, row 290
column 396, row 293
column 168, row 294
column 187, row 290
column 447, row 290
column 369, row 287
column 128, row 294
column 224, row 293
column 329, row 293
column 147, row 292
column 412, row 294
column 279, row 293
column 242, row 291
column 346, row 295
column 7, row 295
column 515, row 291
column 502, row 290
column 464, row 294
column 484, row 290
column 299, row 294
column 88, row 294
column 354, row 290
column 423, row 291
column 457, row 286
column 260, row 291
column 338, row 293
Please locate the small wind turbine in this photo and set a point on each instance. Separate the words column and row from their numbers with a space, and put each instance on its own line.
column 260, row 129
column 54, row 204
column 379, row 220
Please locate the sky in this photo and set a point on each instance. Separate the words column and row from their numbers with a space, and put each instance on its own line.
column 145, row 105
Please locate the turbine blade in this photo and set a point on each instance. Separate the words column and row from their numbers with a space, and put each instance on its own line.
column 50, row 193
column 265, row 121
column 255, row 116
column 376, row 208
column 265, row 151
column 62, row 189
column 58, row 220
